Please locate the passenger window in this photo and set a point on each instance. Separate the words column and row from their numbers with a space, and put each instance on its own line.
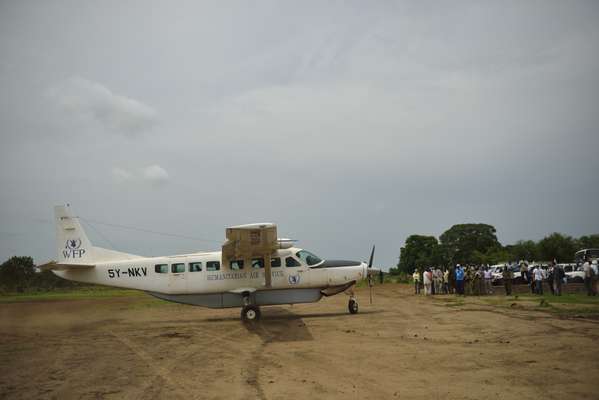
column 177, row 268
column 213, row 266
column 257, row 262
column 291, row 262
column 236, row 265
column 195, row 267
column 161, row 268
column 275, row 262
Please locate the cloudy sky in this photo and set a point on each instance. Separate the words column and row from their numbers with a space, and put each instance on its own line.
column 346, row 123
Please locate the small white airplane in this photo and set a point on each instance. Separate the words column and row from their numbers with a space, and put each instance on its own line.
column 254, row 268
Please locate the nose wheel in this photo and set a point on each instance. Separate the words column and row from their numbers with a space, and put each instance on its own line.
column 250, row 313
column 352, row 306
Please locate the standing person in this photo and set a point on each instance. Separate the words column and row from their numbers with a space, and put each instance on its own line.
column 476, row 282
column 446, row 281
column 524, row 271
column 558, row 278
column 538, row 276
column 416, row 278
column 467, row 280
column 438, row 281
column 451, row 280
column 508, row 275
column 588, row 277
column 459, row 279
column 427, row 280
column 482, row 289
column 550, row 272
column 488, row 281
column 594, row 278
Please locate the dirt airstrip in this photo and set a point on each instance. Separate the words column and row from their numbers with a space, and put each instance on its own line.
column 401, row 347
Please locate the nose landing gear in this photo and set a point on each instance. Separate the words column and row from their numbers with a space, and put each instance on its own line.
column 250, row 313
column 352, row 306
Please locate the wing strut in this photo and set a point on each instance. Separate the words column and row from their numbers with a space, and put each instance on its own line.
column 267, row 274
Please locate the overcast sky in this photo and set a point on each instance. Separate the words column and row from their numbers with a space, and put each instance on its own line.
column 346, row 123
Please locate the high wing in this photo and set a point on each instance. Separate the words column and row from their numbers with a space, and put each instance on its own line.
column 245, row 242
column 64, row 266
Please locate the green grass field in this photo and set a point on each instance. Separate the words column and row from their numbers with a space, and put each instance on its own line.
column 71, row 294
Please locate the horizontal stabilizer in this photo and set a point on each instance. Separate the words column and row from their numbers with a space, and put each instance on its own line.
column 64, row 267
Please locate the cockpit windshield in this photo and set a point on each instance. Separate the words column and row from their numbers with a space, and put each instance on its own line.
column 308, row 257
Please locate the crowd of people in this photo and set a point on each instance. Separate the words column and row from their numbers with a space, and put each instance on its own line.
column 478, row 279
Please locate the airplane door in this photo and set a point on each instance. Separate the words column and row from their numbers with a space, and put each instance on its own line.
column 177, row 280
column 298, row 274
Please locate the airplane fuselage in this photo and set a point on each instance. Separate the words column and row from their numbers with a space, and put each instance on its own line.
column 202, row 279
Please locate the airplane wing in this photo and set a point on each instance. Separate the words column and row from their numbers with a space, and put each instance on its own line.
column 64, row 267
column 245, row 242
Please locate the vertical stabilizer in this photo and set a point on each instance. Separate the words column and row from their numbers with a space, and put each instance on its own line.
column 73, row 244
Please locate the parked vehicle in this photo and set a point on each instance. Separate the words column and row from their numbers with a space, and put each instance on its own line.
column 574, row 273
column 498, row 273
column 582, row 255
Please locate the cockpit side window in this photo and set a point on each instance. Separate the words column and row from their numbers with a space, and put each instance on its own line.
column 307, row 257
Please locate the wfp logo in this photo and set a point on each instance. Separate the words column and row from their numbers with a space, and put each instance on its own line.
column 73, row 249
column 294, row 280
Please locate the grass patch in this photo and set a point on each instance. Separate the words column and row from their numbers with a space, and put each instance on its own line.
column 571, row 304
column 570, row 298
column 71, row 294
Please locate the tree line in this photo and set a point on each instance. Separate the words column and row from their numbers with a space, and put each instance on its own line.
column 478, row 244
column 18, row 274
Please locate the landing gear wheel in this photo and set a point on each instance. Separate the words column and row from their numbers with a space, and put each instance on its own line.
column 352, row 306
column 250, row 313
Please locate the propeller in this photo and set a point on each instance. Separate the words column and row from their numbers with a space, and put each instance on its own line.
column 370, row 271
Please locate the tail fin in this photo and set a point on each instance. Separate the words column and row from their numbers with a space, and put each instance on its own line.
column 73, row 245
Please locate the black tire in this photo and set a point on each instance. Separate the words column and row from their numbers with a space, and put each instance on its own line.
column 352, row 306
column 250, row 313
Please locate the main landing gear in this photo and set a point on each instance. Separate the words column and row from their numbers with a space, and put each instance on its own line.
column 249, row 312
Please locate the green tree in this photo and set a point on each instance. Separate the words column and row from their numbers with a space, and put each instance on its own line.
column 587, row 242
column 461, row 241
column 557, row 246
column 523, row 250
column 418, row 252
column 17, row 273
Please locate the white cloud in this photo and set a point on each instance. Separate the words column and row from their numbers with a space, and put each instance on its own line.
column 121, row 175
column 153, row 174
column 92, row 101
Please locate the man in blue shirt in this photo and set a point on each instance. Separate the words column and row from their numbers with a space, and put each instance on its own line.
column 459, row 279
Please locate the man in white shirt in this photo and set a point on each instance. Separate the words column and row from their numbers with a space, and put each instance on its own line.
column 538, row 274
column 438, row 280
column 416, row 277
column 427, row 279
column 446, row 281
column 488, row 281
